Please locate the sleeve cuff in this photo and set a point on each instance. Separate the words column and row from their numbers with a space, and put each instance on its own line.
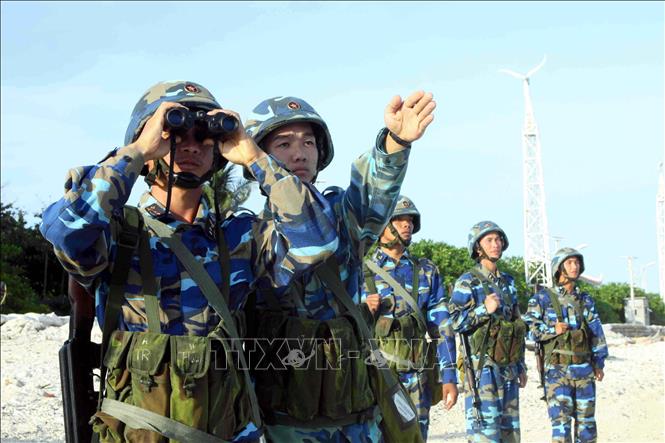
column 395, row 160
column 129, row 160
column 481, row 312
column 448, row 375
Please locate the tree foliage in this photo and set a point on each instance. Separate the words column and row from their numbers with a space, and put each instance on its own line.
column 453, row 262
column 24, row 257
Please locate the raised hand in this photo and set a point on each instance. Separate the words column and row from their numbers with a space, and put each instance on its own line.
column 408, row 119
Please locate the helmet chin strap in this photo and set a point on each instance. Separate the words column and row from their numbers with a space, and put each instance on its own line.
column 397, row 240
column 483, row 255
column 183, row 180
column 567, row 278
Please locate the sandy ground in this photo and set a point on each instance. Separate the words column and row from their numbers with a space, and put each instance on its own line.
column 630, row 399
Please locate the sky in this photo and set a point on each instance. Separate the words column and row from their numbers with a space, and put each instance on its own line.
column 71, row 72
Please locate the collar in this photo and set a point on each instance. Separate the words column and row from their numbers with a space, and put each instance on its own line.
column 205, row 218
column 495, row 278
column 575, row 293
column 380, row 257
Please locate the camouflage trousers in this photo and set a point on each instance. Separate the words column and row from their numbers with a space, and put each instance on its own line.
column 569, row 398
column 367, row 432
column 416, row 385
column 499, row 405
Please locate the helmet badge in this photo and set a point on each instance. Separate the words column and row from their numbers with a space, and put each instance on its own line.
column 191, row 88
column 406, row 203
column 293, row 105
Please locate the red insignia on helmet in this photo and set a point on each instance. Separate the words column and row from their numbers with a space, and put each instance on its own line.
column 293, row 105
column 192, row 88
column 406, row 204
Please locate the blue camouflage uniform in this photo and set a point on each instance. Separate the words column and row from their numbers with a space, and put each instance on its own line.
column 82, row 227
column 498, row 385
column 362, row 210
column 570, row 388
column 431, row 300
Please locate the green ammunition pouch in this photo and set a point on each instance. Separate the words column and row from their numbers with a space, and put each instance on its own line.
column 500, row 340
column 571, row 347
column 163, row 387
column 322, row 378
column 402, row 340
column 399, row 421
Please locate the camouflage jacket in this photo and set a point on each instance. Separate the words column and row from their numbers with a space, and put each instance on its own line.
column 541, row 318
column 362, row 211
column 467, row 305
column 82, row 225
column 431, row 300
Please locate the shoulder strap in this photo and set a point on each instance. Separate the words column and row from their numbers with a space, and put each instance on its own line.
column 369, row 279
column 212, row 293
column 127, row 241
column 487, row 283
column 554, row 300
column 399, row 289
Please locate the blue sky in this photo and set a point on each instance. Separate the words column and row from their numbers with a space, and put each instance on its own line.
column 71, row 73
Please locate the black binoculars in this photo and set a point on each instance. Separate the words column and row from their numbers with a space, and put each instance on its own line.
column 219, row 125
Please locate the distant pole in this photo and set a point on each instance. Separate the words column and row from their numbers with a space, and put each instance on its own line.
column 660, row 231
column 557, row 240
column 632, row 288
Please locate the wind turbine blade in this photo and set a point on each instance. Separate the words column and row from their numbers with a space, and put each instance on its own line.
column 512, row 73
column 534, row 70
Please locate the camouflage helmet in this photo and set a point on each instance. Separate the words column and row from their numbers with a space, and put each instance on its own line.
column 183, row 92
column 478, row 231
column 561, row 256
column 274, row 112
column 405, row 206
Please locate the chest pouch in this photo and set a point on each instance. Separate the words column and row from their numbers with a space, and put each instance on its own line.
column 571, row 347
column 190, row 361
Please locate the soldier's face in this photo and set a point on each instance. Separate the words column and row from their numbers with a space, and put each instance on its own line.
column 295, row 146
column 572, row 267
column 492, row 244
column 403, row 224
column 192, row 154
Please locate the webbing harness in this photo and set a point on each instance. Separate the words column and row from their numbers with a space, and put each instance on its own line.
column 328, row 272
column 410, row 298
column 554, row 300
column 133, row 234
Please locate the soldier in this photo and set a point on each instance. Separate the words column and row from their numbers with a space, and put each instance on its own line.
column 161, row 273
column 564, row 320
column 304, row 403
column 483, row 309
column 408, row 297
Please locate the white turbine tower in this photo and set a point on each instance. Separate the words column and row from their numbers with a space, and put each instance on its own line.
column 660, row 235
column 536, row 237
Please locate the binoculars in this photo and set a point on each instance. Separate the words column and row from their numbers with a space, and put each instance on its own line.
column 218, row 126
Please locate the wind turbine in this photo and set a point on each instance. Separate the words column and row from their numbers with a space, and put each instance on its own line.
column 536, row 237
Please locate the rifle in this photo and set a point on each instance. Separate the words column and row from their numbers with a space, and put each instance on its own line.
column 470, row 374
column 78, row 357
column 540, row 364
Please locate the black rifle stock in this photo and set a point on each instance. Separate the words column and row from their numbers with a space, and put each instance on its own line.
column 470, row 375
column 78, row 357
column 540, row 364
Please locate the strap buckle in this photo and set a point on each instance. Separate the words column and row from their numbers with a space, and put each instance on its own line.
column 128, row 239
